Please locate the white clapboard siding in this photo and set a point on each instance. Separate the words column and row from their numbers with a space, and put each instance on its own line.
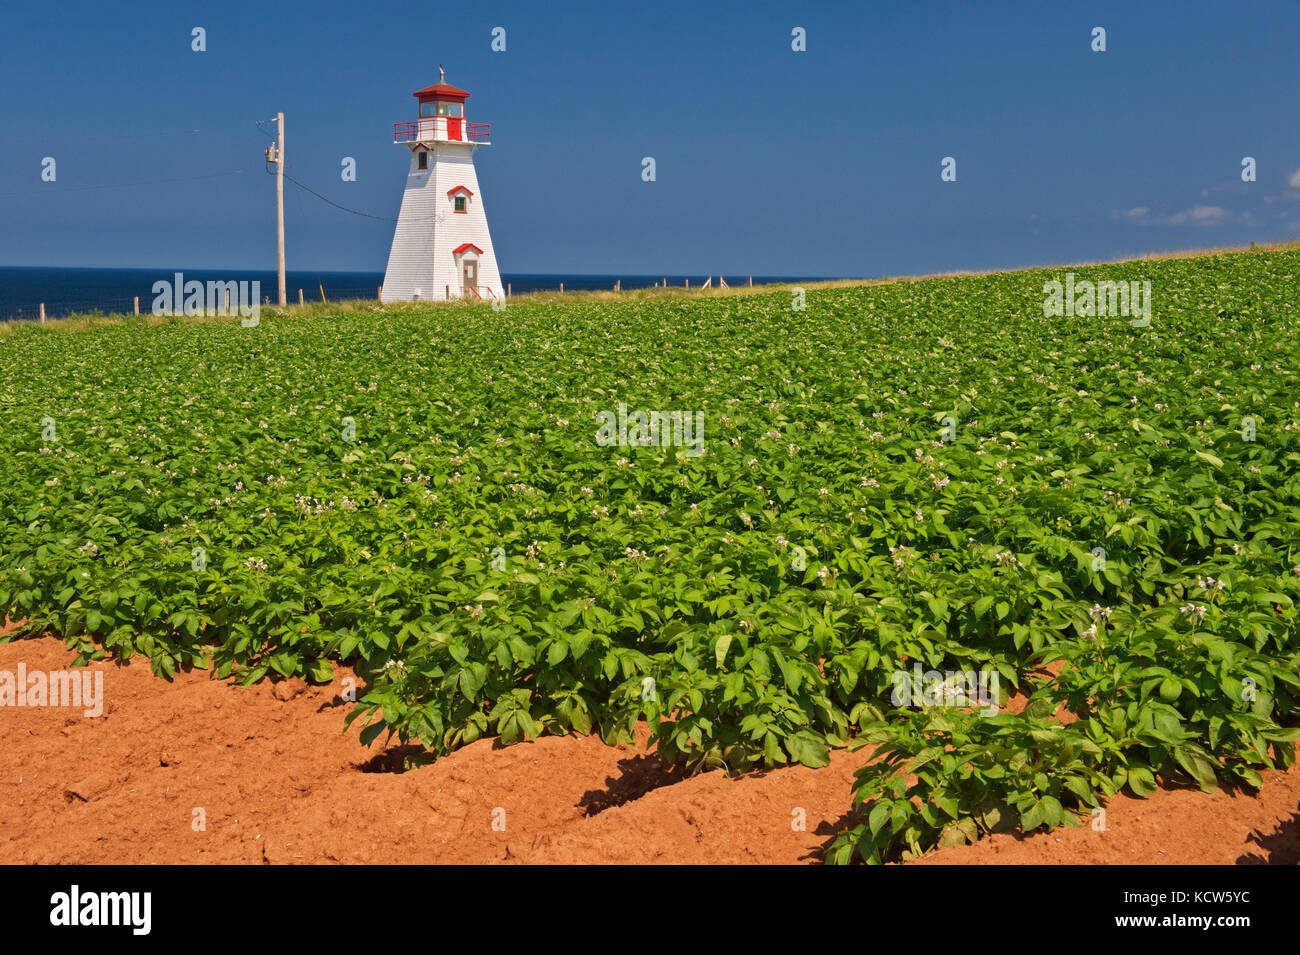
column 422, row 264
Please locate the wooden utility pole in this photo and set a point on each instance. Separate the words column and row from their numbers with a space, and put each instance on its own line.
column 279, row 203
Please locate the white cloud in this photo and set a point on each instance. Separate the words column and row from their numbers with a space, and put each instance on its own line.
column 1136, row 214
column 1196, row 215
column 1199, row 215
column 1294, row 181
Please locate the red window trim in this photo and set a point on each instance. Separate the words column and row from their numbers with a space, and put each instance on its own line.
column 465, row 247
column 458, row 189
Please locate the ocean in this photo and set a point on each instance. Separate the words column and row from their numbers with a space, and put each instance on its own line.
column 69, row 291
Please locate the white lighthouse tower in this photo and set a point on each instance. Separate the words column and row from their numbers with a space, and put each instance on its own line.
column 441, row 248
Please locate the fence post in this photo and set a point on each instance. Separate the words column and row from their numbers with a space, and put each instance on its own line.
column 688, row 283
column 137, row 304
column 507, row 290
column 227, row 301
column 449, row 293
column 42, row 313
column 299, row 296
column 751, row 281
column 561, row 288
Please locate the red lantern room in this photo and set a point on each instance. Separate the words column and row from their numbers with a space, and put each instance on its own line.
column 442, row 118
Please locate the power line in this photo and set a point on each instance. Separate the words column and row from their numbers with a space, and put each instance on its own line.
column 119, row 185
column 336, row 205
column 260, row 125
column 355, row 212
column 98, row 137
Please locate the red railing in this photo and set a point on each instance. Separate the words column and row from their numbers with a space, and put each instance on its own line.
column 478, row 290
column 436, row 129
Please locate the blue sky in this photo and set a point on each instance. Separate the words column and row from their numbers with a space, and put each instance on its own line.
column 768, row 161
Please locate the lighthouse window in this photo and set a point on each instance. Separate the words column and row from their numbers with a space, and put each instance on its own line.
column 460, row 203
column 433, row 108
column 423, row 159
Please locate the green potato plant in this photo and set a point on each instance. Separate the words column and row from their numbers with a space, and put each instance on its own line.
column 925, row 473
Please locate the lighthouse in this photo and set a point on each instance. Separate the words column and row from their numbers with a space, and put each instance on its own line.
column 441, row 247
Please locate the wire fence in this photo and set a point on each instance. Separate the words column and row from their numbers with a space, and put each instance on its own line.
column 308, row 289
column 118, row 304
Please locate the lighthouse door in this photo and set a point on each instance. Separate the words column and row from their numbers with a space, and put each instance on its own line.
column 469, row 269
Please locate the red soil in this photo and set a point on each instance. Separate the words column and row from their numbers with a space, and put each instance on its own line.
column 279, row 780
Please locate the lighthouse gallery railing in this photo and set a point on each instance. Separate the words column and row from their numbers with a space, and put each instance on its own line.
column 436, row 128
